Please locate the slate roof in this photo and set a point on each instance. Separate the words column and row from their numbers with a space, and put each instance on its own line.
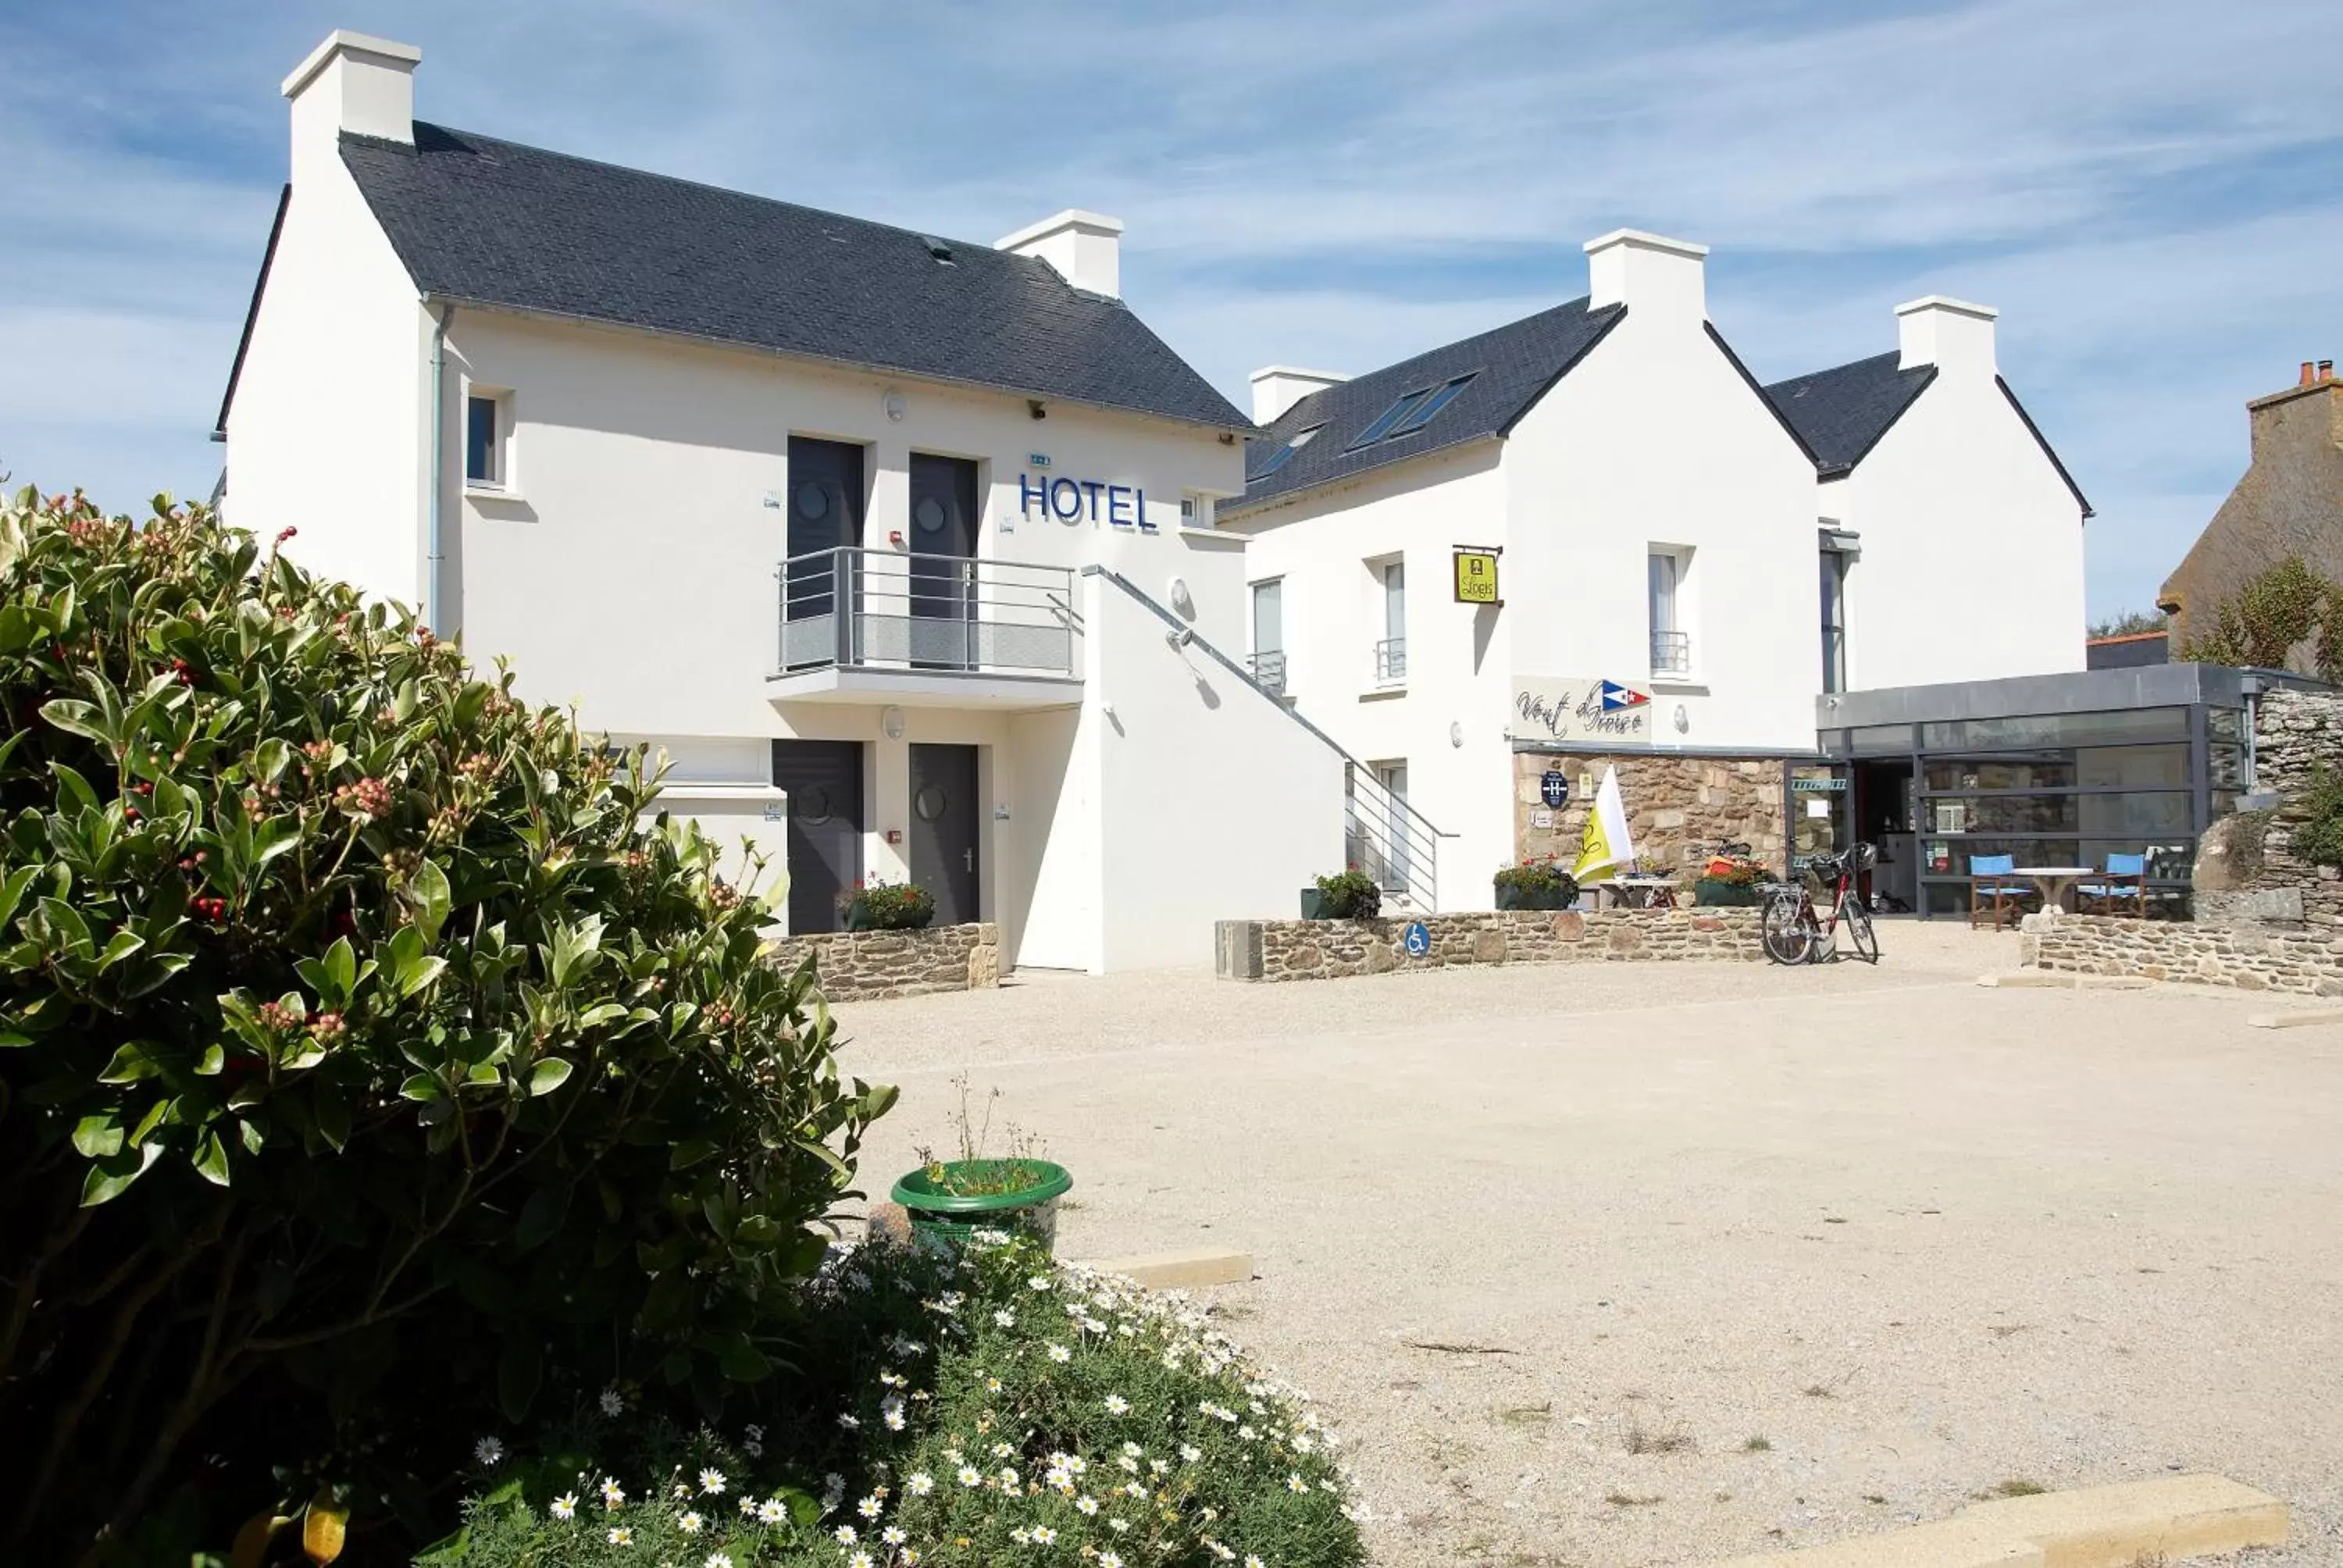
column 494, row 223
column 1512, row 366
column 1841, row 412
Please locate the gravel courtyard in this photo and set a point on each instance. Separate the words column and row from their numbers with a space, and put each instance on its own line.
column 1629, row 1264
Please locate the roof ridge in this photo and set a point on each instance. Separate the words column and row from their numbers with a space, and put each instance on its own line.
column 735, row 192
column 1364, row 376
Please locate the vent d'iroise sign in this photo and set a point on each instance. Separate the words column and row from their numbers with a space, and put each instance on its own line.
column 1550, row 708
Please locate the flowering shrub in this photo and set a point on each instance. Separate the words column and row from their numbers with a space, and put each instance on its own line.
column 1541, row 874
column 367, row 1065
column 990, row 1408
column 878, row 906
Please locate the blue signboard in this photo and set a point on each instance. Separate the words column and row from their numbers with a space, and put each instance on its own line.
column 1553, row 788
column 1418, row 939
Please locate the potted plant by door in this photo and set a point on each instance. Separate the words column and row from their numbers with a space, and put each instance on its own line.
column 950, row 1200
column 1537, row 883
column 1349, row 894
column 877, row 905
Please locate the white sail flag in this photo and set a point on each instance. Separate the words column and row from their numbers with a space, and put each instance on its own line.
column 1608, row 845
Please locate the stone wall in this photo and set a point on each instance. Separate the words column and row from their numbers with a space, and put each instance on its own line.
column 2246, row 871
column 1678, row 808
column 2245, row 956
column 1331, row 950
column 855, row 966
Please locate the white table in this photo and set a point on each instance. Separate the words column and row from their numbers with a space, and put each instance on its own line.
column 1644, row 892
column 2055, row 882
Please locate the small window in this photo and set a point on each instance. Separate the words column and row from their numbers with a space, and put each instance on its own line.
column 1413, row 412
column 1834, row 595
column 1425, row 411
column 484, row 434
column 1389, row 417
column 1285, row 455
column 1671, row 644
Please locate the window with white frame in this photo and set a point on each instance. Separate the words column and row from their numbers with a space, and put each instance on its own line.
column 1839, row 551
column 1391, row 648
column 1669, row 567
column 487, row 439
column 1268, row 657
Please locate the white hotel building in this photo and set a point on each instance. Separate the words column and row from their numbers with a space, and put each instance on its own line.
column 927, row 559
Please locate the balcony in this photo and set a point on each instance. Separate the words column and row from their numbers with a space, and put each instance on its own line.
column 1670, row 653
column 1269, row 670
column 1390, row 663
column 860, row 626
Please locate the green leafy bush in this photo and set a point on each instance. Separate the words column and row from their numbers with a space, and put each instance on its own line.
column 991, row 1407
column 2317, row 818
column 1540, row 875
column 880, row 906
column 1351, row 894
column 366, row 1063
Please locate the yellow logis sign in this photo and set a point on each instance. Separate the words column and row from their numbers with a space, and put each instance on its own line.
column 1476, row 577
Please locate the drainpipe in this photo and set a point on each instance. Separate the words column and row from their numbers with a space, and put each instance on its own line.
column 432, row 554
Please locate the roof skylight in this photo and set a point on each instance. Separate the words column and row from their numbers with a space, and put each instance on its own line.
column 1411, row 413
column 1285, row 455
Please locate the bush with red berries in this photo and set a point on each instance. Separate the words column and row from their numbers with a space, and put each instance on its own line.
column 371, row 1069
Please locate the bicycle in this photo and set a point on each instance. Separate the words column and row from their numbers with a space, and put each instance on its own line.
column 1795, row 932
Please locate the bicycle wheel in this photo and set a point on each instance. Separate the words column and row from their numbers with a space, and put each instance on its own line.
column 1787, row 930
column 1861, row 934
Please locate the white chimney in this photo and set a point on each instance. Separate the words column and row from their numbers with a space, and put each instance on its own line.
column 1085, row 248
column 1647, row 273
column 1953, row 335
column 1277, row 387
column 351, row 83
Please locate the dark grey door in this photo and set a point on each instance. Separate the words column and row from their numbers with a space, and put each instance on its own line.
column 943, row 829
column 824, row 781
column 825, row 510
column 943, row 541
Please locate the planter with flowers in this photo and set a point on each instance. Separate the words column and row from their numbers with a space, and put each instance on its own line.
column 948, row 1200
column 1350, row 894
column 877, row 905
column 1731, row 884
column 1537, row 883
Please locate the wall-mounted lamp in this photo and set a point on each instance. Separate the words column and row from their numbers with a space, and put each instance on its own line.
column 1455, row 735
column 1180, row 598
column 1035, row 407
column 1682, row 720
column 896, row 406
column 890, row 722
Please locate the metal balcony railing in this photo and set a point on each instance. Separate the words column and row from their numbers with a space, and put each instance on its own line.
column 1385, row 837
column 1269, row 669
column 1391, row 662
column 861, row 608
column 1670, row 653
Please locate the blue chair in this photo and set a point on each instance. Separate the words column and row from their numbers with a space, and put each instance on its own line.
column 1995, row 893
column 2121, row 889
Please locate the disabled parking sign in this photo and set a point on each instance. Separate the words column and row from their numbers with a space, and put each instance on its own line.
column 1417, row 938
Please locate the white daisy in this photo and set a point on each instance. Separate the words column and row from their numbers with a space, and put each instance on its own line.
column 613, row 1403
column 871, row 1507
column 1294, row 1484
column 1043, row 1535
column 621, row 1537
column 773, row 1511
column 893, row 1535
column 1061, row 1354
column 566, row 1506
column 1005, row 1318
column 488, row 1451
column 844, row 1536
column 1117, row 1526
column 849, row 1423
column 1086, row 1506
column 1039, row 1282
column 1253, row 1560
column 970, row 1476
column 858, row 1560
column 1108, row 1560
column 689, row 1523
column 719, row 1560
column 1117, row 1405
column 613, row 1493
column 711, row 1481
column 918, row 1483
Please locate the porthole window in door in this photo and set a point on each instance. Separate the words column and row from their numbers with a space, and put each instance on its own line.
column 929, row 515
column 811, row 805
column 813, row 502
column 930, row 802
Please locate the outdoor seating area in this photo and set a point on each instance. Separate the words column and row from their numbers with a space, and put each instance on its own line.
column 2000, row 890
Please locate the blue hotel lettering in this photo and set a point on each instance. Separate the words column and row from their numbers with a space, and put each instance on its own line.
column 1077, row 500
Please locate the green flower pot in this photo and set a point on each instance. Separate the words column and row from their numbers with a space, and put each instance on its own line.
column 1510, row 896
column 1028, row 1202
column 1313, row 905
column 1712, row 894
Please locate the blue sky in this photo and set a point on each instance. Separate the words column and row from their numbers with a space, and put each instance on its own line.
column 2147, row 189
